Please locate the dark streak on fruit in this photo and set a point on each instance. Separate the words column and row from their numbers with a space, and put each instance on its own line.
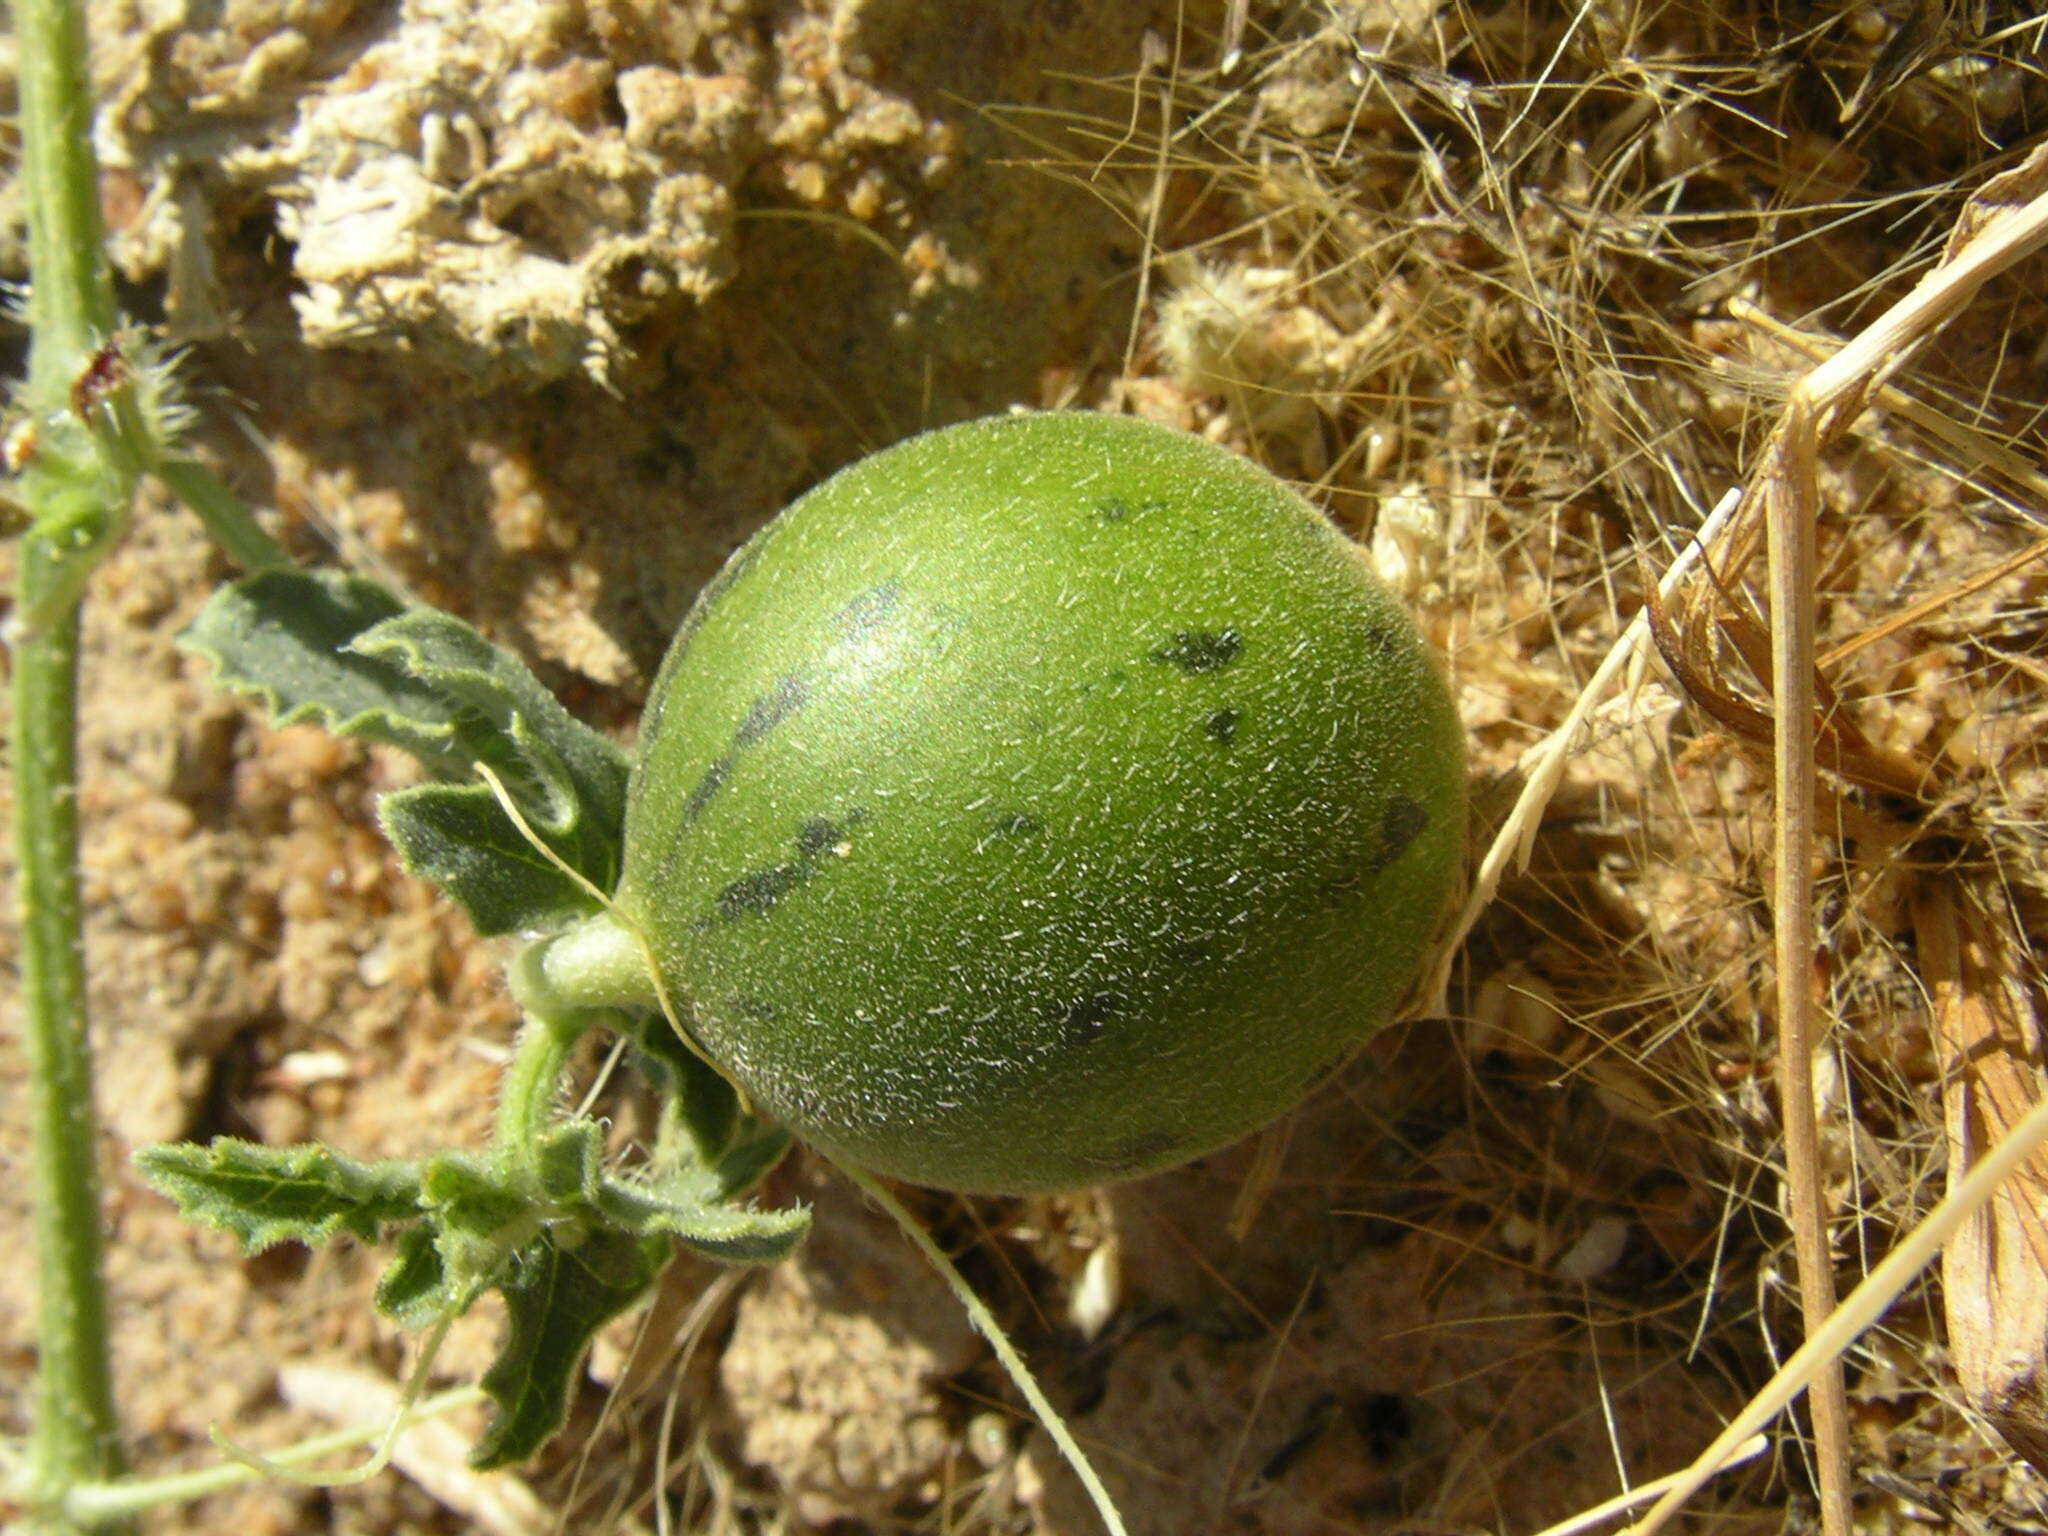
column 770, row 710
column 754, row 895
column 715, row 774
column 869, row 609
column 1136, row 1151
column 817, row 838
column 1221, row 726
column 1201, row 650
column 818, row 835
column 1400, row 824
column 787, row 696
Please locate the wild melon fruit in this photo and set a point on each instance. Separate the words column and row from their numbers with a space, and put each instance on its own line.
column 1045, row 800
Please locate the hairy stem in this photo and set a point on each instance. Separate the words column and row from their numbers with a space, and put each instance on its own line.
column 533, row 1082
column 71, row 300
column 230, row 523
column 71, row 310
column 599, row 963
column 100, row 1502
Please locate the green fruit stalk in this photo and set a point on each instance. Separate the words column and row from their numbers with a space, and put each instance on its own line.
column 1045, row 800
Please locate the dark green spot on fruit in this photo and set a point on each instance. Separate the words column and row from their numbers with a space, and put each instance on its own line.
column 1201, row 650
column 756, row 894
column 1137, row 1151
column 1400, row 824
column 1082, row 1019
column 770, row 710
column 818, row 838
column 820, row 834
column 869, row 609
column 708, row 784
column 1221, row 726
column 748, row 1006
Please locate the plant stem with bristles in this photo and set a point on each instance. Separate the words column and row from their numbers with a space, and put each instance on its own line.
column 71, row 311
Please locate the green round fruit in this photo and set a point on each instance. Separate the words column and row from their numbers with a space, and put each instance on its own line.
column 1045, row 800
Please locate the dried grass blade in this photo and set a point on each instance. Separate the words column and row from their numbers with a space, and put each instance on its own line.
column 1792, row 506
column 1995, row 1273
column 1859, row 1309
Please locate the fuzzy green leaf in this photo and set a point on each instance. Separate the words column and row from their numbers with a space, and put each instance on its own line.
column 699, row 1103
column 729, row 1234
column 413, row 1290
column 568, row 1162
column 569, row 781
column 345, row 653
column 457, row 836
column 755, row 1149
column 284, row 637
column 556, row 1297
column 271, row 1195
column 472, row 1195
column 718, row 1151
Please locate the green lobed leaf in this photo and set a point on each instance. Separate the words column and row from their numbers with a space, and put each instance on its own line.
column 458, row 837
column 413, row 1291
column 568, row 1160
column 271, row 1195
column 568, row 780
column 730, row 1234
column 696, row 1101
column 569, row 1246
column 346, row 653
column 713, row 1147
column 747, row 1159
column 284, row 637
column 473, row 1195
column 556, row 1298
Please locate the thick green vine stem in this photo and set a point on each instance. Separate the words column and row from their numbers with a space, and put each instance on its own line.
column 75, row 1437
column 71, row 299
column 598, row 963
column 533, row 1082
column 71, row 500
